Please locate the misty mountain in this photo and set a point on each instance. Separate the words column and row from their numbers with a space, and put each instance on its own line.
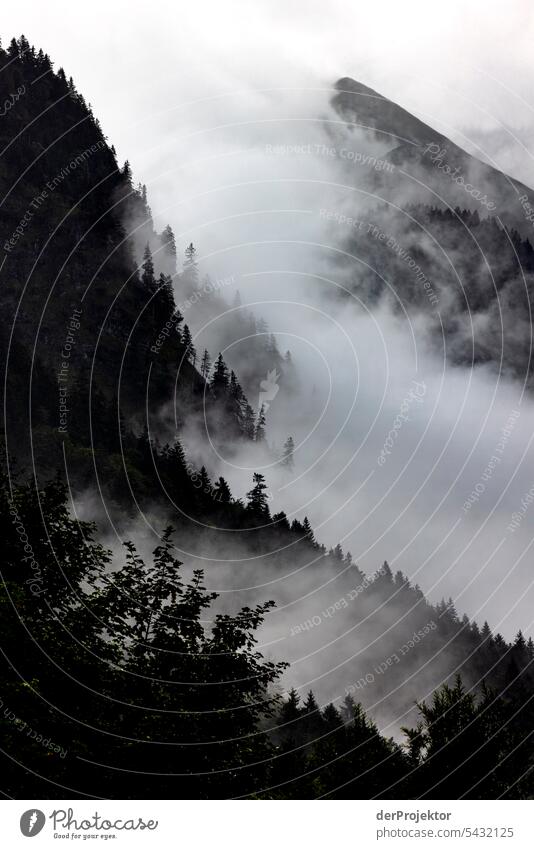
column 444, row 239
column 433, row 167
column 366, row 108
column 91, row 333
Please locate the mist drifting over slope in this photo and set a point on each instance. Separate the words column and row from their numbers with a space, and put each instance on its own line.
column 249, row 160
column 399, row 452
column 279, row 234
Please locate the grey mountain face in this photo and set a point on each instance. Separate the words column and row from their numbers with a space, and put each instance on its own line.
column 449, row 240
column 429, row 167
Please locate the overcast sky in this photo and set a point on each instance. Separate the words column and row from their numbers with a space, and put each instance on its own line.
column 467, row 68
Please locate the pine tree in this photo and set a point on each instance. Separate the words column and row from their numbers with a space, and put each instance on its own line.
column 451, row 613
column 190, row 255
column 236, row 402
column 281, row 521
column 520, row 653
column 332, row 718
column 297, row 528
column 249, row 422
column 310, row 704
column 126, row 174
column 336, row 553
column 219, row 378
column 287, row 453
column 262, row 330
column 519, row 642
column 272, row 347
column 308, row 531
column 291, row 707
column 205, row 365
column 169, row 249
column 259, row 432
column 222, row 491
column 311, row 723
column 257, row 498
column 384, row 575
column 234, row 390
column 165, row 300
column 190, row 268
column 347, row 709
column 147, row 276
column 205, row 486
column 486, row 634
column 401, row 581
column 187, row 342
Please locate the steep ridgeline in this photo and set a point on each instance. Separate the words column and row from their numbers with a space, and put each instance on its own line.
column 438, row 233
column 91, row 338
column 174, row 707
column 427, row 164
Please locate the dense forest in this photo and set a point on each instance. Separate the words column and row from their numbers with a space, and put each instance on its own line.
column 468, row 276
column 115, row 687
column 123, row 676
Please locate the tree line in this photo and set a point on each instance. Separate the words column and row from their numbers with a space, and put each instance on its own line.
column 121, row 681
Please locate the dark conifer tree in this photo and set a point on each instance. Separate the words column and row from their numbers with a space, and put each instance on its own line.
column 297, row 528
column 165, row 306
column 272, row 347
column 237, row 402
column 127, row 174
column 259, row 432
column 485, row 633
column 169, row 249
column 249, row 422
column 290, row 709
column 281, row 521
column 308, row 531
column 147, row 276
column 336, row 553
column 190, row 273
column 189, row 348
column 205, row 365
column 175, row 476
column 219, row 378
column 222, row 491
column 257, row 501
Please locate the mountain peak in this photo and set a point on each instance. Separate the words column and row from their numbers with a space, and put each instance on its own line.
column 358, row 104
column 347, row 84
